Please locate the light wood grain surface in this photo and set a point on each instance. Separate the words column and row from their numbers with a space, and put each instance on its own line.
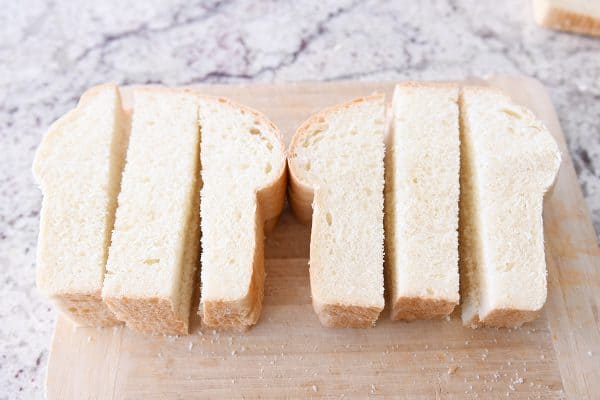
column 289, row 354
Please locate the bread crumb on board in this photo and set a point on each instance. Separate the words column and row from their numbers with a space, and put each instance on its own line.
column 452, row 370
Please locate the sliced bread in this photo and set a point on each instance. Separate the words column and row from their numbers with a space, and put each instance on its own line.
column 243, row 188
column 580, row 16
column 336, row 166
column 154, row 250
column 508, row 162
column 78, row 166
column 421, row 201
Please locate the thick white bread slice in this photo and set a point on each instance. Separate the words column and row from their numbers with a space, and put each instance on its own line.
column 509, row 160
column 336, row 163
column 581, row 16
column 78, row 166
column 243, row 176
column 154, row 250
column 421, row 202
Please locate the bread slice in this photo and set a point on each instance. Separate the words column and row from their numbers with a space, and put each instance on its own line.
column 421, row 202
column 336, row 163
column 580, row 16
column 243, row 175
column 78, row 166
column 508, row 162
column 154, row 250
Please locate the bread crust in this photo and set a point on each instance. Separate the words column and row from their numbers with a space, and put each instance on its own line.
column 412, row 308
column 301, row 196
column 565, row 20
column 240, row 314
column 346, row 316
column 505, row 318
column 85, row 308
column 151, row 315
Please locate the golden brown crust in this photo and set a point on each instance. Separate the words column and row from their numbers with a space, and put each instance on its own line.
column 152, row 315
column 567, row 20
column 505, row 318
column 240, row 315
column 411, row 308
column 346, row 316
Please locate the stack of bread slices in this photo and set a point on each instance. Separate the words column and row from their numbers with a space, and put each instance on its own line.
column 450, row 184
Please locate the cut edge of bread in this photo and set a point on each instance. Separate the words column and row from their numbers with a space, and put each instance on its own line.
column 85, row 308
column 240, row 314
column 301, row 196
column 408, row 307
column 500, row 317
column 551, row 16
column 160, row 315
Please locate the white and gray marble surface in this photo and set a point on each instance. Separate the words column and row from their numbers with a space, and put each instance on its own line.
column 51, row 51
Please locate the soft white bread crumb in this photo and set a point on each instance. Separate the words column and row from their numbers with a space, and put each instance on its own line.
column 580, row 16
column 508, row 162
column 78, row 166
column 421, row 203
column 336, row 163
column 154, row 250
column 243, row 178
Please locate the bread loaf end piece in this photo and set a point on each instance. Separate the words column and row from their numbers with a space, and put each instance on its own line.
column 336, row 165
column 78, row 166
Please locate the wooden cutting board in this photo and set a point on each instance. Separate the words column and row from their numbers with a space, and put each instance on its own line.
column 289, row 354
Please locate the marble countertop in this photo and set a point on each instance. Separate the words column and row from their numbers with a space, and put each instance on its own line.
column 51, row 51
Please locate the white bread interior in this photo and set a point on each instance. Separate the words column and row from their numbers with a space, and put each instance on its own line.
column 421, row 201
column 336, row 165
column 508, row 162
column 243, row 187
column 154, row 250
column 78, row 166
column 580, row 16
